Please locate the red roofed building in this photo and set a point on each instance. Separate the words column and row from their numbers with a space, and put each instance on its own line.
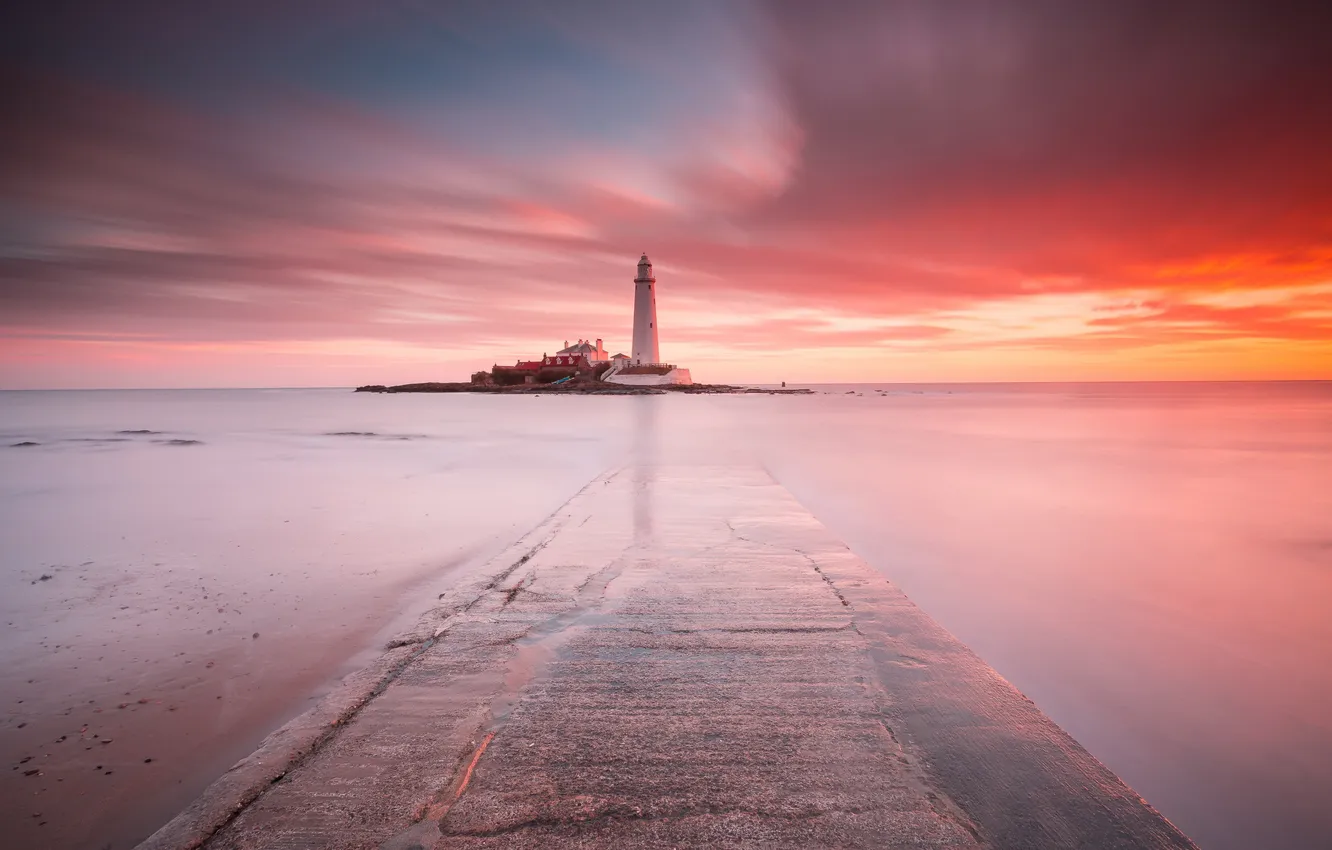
column 581, row 356
column 573, row 361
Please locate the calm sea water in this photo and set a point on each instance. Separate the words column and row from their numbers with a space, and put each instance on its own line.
column 1151, row 563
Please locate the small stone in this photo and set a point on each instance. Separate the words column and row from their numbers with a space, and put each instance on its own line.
column 255, row 635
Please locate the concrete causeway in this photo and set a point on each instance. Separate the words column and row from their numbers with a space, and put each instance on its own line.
column 679, row 657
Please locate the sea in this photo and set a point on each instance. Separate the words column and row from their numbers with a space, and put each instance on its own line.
column 186, row 570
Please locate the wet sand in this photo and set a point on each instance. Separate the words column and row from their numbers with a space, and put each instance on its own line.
column 680, row 656
column 105, row 766
column 167, row 606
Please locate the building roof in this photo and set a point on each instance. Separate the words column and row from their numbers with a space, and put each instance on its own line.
column 583, row 346
column 563, row 359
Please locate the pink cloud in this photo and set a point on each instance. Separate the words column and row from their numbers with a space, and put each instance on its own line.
column 932, row 191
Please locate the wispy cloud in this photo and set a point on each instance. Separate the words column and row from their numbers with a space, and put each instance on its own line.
column 826, row 189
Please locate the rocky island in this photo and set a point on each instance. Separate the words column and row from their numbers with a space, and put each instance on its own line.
column 576, row 387
column 588, row 368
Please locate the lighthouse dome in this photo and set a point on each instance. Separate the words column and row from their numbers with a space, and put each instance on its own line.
column 644, row 269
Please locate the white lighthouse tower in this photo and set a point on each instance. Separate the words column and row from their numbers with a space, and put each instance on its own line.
column 644, row 367
column 646, row 350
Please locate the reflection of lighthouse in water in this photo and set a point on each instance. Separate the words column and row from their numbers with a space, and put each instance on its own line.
column 644, row 367
column 644, row 467
column 646, row 349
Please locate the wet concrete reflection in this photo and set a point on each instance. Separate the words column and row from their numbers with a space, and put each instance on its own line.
column 718, row 683
column 644, row 465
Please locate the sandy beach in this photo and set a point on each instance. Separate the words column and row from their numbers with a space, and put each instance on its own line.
column 108, row 756
column 198, row 596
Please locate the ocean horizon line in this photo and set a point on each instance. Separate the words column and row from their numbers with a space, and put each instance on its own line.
column 1093, row 382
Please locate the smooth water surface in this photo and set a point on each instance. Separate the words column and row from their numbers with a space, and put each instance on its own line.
column 1151, row 563
column 182, row 592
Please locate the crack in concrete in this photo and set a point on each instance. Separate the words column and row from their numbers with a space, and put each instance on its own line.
column 511, row 593
column 439, row 810
column 941, row 804
column 615, row 811
column 827, row 580
column 537, row 637
column 424, row 831
column 766, row 630
column 496, row 580
column 538, row 644
column 831, row 584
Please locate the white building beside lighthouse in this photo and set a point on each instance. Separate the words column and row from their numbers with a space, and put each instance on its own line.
column 644, row 366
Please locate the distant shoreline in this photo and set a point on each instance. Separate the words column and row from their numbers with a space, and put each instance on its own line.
column 586, row 388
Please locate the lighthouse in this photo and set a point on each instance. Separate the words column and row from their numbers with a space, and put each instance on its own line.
column 645, row 349
column 644, row 367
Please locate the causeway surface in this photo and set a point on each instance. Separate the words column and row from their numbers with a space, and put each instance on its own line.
column 679, row 657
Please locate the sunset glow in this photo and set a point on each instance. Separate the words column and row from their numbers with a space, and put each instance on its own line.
column 355, row 193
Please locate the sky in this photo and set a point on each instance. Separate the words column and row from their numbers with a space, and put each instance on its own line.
column 301, row 193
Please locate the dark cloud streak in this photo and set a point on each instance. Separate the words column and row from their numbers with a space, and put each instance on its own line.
column 1005, row 130
column 238, row 172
